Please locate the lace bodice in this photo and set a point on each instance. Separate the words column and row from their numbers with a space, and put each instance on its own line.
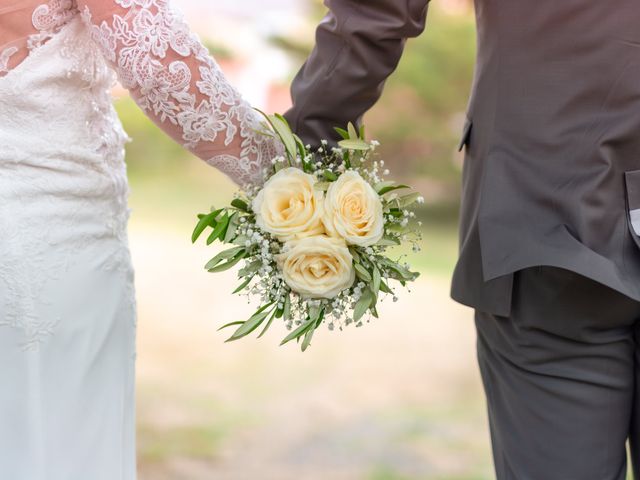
column 165, row 67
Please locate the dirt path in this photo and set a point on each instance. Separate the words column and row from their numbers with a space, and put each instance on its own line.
column 396, row 399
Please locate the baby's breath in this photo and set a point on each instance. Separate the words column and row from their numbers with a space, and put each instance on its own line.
column 258, row 252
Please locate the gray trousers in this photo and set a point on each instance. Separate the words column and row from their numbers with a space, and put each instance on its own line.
column 562, row 379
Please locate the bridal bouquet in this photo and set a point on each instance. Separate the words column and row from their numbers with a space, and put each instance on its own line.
column 313, row 240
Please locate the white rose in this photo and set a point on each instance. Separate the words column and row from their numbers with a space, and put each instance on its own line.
column 317, row 267
column 353, row 211
column 288, row 206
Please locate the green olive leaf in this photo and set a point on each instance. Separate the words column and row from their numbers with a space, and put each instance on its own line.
column 363, row 305
column 243, row 285
column 225, row 255
column 307, row 339
column 230, row 264
column 377, row 281
column 250, row 325
column 231, row 229
column 240, row 204
column 219, row 229
column 342, row 132
column 205, row 221
column 392, row 188
column 353, row 133
column 298, row 332
column 358, row 145
column 266, row 327
column 407, row 200
column 388, row 242
column 329, row 175
column 362, row 273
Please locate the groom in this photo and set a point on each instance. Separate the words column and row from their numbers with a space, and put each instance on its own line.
column 550, row 219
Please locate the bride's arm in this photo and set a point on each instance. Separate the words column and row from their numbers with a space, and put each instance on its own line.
column 172, row 77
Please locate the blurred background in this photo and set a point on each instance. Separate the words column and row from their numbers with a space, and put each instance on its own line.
column 398, row 399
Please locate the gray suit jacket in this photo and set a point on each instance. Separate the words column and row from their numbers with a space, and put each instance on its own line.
column 552, row 137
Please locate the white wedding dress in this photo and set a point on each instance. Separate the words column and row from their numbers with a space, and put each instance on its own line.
column 67, row 308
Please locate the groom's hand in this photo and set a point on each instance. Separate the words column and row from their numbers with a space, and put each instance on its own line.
column 358, row 45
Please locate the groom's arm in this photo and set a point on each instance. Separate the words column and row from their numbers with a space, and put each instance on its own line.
column 358, row 45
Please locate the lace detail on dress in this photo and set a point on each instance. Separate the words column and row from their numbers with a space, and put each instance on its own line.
column 62, row 157
column 48, row 19
column 169, row 73
column 5, row 56
column 24, row 270
column 175, row 81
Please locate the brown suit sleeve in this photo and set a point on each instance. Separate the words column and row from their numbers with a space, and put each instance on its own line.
column 358, row 45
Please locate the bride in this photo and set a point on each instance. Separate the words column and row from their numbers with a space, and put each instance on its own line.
column 67, row 308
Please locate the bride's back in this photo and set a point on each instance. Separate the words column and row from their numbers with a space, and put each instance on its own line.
column 63, row 215
column 54, row 89
column 61, row 139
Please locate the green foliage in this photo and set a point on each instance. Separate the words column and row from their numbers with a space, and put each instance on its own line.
column 414, row 119
column 438, row 65
column 151, row 150
column 235, row 225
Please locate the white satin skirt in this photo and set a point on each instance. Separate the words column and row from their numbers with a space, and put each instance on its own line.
column 67, row 362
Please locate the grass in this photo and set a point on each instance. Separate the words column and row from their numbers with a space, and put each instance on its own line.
column 384, row 473
column 193, row 441
column 168, row 189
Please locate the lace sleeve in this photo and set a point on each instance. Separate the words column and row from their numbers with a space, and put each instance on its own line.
column 172, row 77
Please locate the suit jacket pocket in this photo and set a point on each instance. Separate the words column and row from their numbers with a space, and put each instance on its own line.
column 466, row 133
column 632, row 183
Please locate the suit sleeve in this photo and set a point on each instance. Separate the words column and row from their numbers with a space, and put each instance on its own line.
column 358, row 45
